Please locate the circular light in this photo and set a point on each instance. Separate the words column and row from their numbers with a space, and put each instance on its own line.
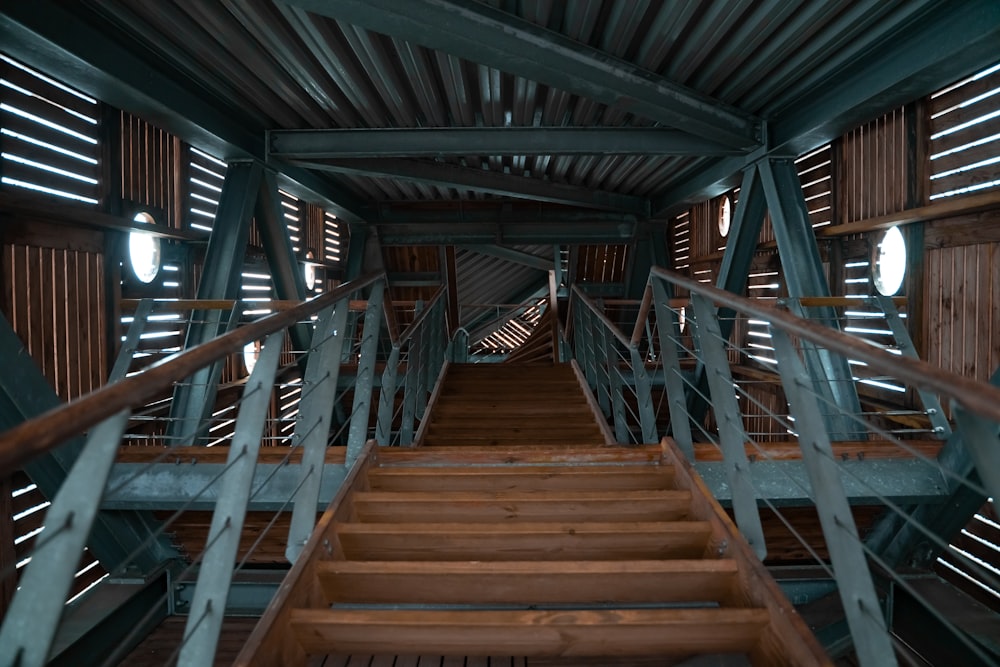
column 251, row 352
column 309, row 271
column 144, row 251
column 890, row 262
column 725, row 215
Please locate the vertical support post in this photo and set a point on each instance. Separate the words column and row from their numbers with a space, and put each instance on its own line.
column 419, row 341
column 33, row 617
column 644, row 396
column 930, row 400
column 554, row 310
column 201, row 634
column 312, row 429
column 411, row 386
column 673, row 382
column 366, row 373
column 729, row 421
column 803, row 273
column 615, row 384
column 857, row 591
column 387, row 398
column 194, row 400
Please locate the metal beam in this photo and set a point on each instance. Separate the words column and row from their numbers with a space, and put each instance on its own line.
column 526, row 233
column 512, row 255
column 481, row 180
column 481, row 34
column 461, row 141
column 59, row 40
column 174, row 485
column 894, row 72
column 472, row 212
column 194, row 400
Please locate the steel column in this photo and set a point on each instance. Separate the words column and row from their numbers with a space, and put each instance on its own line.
column 387, row 398
column 982, row 439
column 673, row 382
column 729, row 421
column 615, row 384
column 201, row 633
column 644, row 397
column 366, row 373
column 857, row 591
column 33, row 617
column 802, row 269
column 194, row 400
column 312, row 429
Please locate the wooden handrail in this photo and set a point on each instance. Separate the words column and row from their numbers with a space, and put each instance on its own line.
column 640, row 320
column 978, row 397
column 46, row 431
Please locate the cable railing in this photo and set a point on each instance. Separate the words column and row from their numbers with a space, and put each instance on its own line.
column 779, row 434
column 270, row 435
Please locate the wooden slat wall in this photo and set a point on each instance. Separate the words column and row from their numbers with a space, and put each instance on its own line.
column 962, row 326
column 601, row 263
column 150, row 169
column 872, row 179
column 55, row 301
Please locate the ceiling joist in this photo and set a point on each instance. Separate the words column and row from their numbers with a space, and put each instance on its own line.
column 460, row 141
column 488, row 36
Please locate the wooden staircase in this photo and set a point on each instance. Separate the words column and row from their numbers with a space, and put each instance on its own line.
column 494, row 404
column 538, row 554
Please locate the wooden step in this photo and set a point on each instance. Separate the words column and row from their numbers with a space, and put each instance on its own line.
column 538, row 454
column 534, row 633
column 475, row 506
column 517, row 582
column 520, row 478
column 643, row 540
column 507, row 439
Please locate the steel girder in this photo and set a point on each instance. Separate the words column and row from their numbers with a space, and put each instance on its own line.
column 460, row 141
column 464, row 178
column 492, row 37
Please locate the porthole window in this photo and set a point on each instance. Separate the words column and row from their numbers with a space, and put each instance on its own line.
column 890, row 262
column 144, row 251
column 725, row 215
column 309, row 271
column 251, row 352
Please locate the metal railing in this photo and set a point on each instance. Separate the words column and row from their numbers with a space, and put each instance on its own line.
column 288, row 399
column 756, row 410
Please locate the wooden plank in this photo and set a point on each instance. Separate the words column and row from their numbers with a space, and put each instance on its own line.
column 523, row 541
column 537, row 582
column 520, row 478
column 422, row 507
column 392, row 456
column 535, row 633
column 271, row 643
column 787, row 640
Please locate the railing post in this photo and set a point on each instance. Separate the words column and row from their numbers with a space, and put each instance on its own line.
column 366, row 373
column 33, row 617
column 201, row 634
column 387, row 398
column 411, row 387
column 615, row 384
column 729, row 421
column 312, row 429
column 857, row 592
column 644, row 396
column 673, row 381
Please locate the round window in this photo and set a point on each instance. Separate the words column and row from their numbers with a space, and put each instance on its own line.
column 890, row 262
column 725, row 215
column 309, row 271
column 144, row 251
column 251, row 352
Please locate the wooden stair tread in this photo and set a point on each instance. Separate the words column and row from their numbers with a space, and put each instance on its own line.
column 642, row 540
column 423, row 506
column 520, row 454
column 460, row 478
column 534, row 633
column 518, row 582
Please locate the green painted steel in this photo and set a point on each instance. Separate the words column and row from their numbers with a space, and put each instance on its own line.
column 204, row 622
column 358, row 433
